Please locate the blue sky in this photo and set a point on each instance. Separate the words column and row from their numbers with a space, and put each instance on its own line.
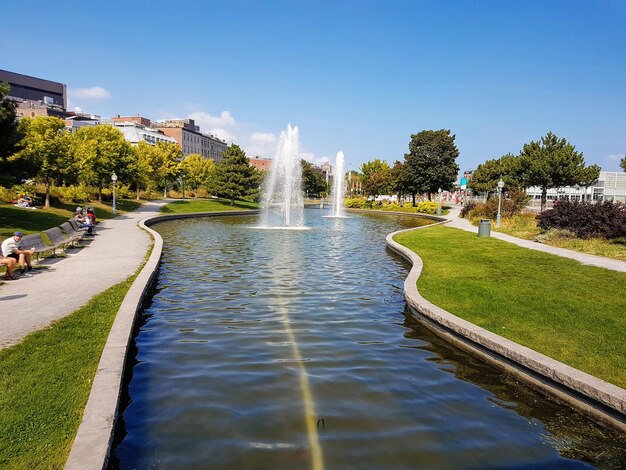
column 356, row 76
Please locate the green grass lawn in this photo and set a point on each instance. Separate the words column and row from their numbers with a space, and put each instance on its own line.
column 45, row 382
column 573, row 313
column 206, row 205
column 32, row 221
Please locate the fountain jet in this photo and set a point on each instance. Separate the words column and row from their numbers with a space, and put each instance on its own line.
column 339, row 188
column 283, row 205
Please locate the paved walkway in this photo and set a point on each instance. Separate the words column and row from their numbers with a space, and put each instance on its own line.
column 36, row 300
column 592, row 260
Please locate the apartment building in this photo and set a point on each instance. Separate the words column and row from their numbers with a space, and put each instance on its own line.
column 188, row 135
column 36, row 96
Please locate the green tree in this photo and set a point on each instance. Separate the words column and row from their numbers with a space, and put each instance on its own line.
column 553, row 163
column 46, row 148
column 101, row 151
column 623, row 163
column 313, row 181
column 431, row 162
column 198, row 171
column 147, row 162
column 235, row 177
column 169, row 156
column 10, row 135
column 376, row 177
column 506, row 168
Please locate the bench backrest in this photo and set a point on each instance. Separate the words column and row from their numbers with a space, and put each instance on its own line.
column 33, row 240
column 74, row 224
column 67, row 228
column 56, row 235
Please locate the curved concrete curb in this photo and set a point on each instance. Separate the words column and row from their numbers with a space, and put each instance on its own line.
column 93, row 440
column 602, row 400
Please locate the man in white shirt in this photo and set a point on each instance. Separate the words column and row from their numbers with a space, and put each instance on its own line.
column 11, row 248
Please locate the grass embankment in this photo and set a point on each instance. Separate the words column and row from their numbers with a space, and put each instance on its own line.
column 14, row 218
column 556, row 306
column 188, row 206
column 46, row 380
column 525, row 226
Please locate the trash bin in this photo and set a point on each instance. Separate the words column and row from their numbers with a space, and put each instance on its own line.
column 484, row 228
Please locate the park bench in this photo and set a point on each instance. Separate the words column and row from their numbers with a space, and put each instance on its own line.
column 74, row 224
column 36, row 243
column 73, row 234
column 58, row 239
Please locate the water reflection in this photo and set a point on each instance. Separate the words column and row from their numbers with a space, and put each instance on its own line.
column 242, row 316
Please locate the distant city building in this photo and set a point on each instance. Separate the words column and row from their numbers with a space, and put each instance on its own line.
column 36, row 96
column 261, row 164
column 191, row 140
column 611, row 186
column 135, row 133
column 77, row 120
column 326, row 168
column 142, row 121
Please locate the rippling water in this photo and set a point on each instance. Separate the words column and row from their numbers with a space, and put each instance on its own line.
column 245, row 323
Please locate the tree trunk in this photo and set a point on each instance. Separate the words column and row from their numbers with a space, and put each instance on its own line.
column 232, row 202
column 544, row 197
column 138, row 191
column 47, row 203
column 100, row 191
column 165, row 189
column 413, row 196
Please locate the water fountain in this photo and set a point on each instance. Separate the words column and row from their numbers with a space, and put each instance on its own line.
column 339, row 186
column 283, row 205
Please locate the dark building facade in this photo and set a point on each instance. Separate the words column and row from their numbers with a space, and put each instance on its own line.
column 29, row 88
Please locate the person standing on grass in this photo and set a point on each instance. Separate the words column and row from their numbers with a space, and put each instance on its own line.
column 9, row 263
column 12, row 247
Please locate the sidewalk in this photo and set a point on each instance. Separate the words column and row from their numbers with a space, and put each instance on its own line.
column 583, row 258
column 37, row 299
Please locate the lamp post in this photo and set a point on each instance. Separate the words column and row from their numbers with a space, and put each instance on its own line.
column 114, row 179
column 500, row 186
column 439, row 206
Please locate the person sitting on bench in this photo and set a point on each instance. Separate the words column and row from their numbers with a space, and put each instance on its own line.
column 10, row 264
column 13, row 249
column 82, row 221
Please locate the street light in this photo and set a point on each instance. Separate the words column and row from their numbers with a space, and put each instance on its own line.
column 114, row 179
column 439, row 206
column 500, row 186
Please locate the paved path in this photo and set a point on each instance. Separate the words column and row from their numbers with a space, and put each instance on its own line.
column 36, row 300
column 592, row 260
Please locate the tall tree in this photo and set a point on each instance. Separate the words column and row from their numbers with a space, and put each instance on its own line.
column 198, row 171
column 147, row 162
column 376, row 177
column 399, row 180
column 623, row 163
column 506, row 168
column 431, row 161
column 553, row 163
column 169, row 156
column 10, row 172
column 46, row 148
column 588, row 177
column 313, row 181
column 100, row 151
column 235, row 177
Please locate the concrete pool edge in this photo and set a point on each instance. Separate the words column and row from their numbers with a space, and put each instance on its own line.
column 92, row 443
column 603, row 401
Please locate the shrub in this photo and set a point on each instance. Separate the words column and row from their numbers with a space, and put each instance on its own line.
column 357, row 203
column 555, row 234
column 71, row 193
column 510, row 206
column 586, row 219
column 467, row 208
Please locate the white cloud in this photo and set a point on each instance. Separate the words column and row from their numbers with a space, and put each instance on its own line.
column 92, row 93
column 206, row 121
column 312, row 158
column 223, row 134
column 263, row 138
